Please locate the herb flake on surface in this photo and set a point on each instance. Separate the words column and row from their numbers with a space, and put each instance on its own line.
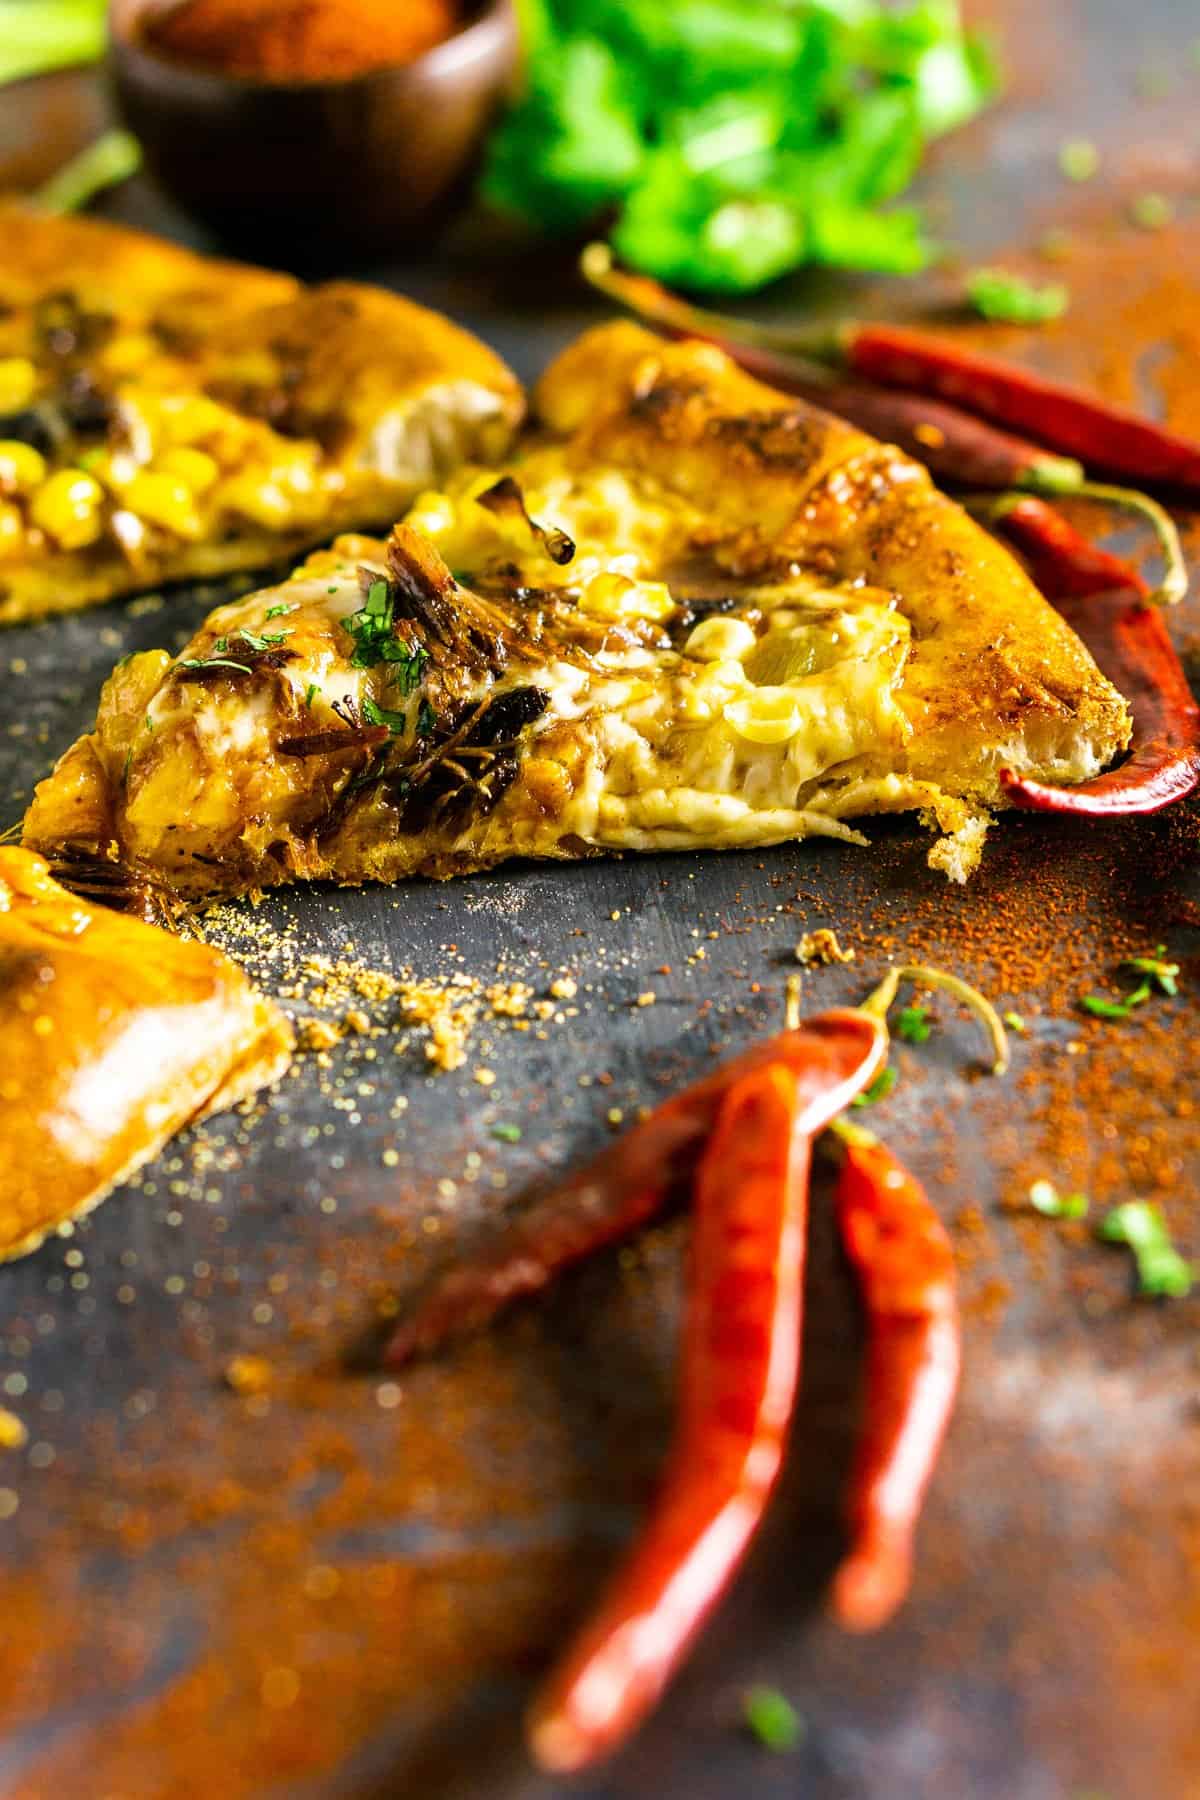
column 1161, row 1271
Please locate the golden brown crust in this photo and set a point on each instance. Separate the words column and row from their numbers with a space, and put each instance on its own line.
column 994, row 677
column 337, row 402
column 769, row 625
column 112, row 1037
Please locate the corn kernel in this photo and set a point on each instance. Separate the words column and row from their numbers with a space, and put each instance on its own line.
column 165, row 501
column 12, row 529
column 68, row 509
column 186, row 417
column 195, row 468
column 18, row 379
column 259, row 499
column 713, row 640
column 620, row 598
column 128, row 352
column 767, row 717
column 22, row 468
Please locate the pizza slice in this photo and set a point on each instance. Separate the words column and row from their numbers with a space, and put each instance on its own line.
column 164, row 416
column 690, row 614
column 113, row 1036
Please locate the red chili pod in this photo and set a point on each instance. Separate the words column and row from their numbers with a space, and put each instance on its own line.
column 1103, row 600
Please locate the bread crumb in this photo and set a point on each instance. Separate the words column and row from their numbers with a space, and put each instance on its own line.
column 822, row 947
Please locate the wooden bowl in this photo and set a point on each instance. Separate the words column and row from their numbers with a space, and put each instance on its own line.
column 302, row 171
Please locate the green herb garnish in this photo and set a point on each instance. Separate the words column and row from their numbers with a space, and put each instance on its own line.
column 310, row 693
column 1045, row 1198
column 772, row 1719
column 1079, row 159
column 372, row 629
column 879, row 1089
column 277, row 612
column 1011, row 300
column 1016, row 1023
column 912, row 1024
column 508, row 1134
column 1163, row 974
column 265, row 640
column 1155, row 973
column 214, row 662
column 380, row 715
column 1160, row 1268
column 737, row 139
column 426, row 720
column 1151, row 212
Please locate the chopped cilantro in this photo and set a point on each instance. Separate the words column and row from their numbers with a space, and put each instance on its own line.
column 277, row 612
column 373, row 629
column 772, row 1719
column 508, row 1134
column 379, row 715
column 1016, row 1023
column 1160, row 1268
column 912, row 1024
column 148, row 723
column 737, row 139
column 265, row 640
column 214, row 662
column 1011, row 300
column 310, row 693
column 879, row 1089
column 1045, row 1198
column 1079, row 159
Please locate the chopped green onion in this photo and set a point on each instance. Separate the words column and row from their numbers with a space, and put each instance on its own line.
column 1161, row 1271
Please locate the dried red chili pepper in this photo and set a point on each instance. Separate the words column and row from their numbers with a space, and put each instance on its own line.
column 741, row 1356
column 832, row 1056
column 947, row 440
column 1068, row 420
column 957, row 447
column 905, row 1267
column 1103, row 600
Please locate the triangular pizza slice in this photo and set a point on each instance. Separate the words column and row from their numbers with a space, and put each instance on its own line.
column 165, row 416
column 689, row 614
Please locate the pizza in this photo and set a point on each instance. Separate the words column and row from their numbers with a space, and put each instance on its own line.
column 689, row 613
column 113, row 1035
column 166, row 416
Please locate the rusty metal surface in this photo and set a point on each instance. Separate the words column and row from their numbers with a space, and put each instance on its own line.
column 345, row 1586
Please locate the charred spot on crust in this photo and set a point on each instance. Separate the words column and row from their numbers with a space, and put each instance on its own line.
column 142, row 894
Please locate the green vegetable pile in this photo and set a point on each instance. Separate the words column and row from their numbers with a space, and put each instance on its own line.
column 734, row 139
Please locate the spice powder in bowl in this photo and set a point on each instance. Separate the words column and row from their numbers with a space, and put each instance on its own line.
column 298, row 40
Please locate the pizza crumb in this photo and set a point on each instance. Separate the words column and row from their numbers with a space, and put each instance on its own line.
column 248, row 1374
column 822, row 946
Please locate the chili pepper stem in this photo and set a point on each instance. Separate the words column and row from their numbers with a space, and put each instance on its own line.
column 878, row 1004
column 1174, row 585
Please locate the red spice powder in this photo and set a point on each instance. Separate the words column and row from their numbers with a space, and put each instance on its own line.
column 300, row 40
